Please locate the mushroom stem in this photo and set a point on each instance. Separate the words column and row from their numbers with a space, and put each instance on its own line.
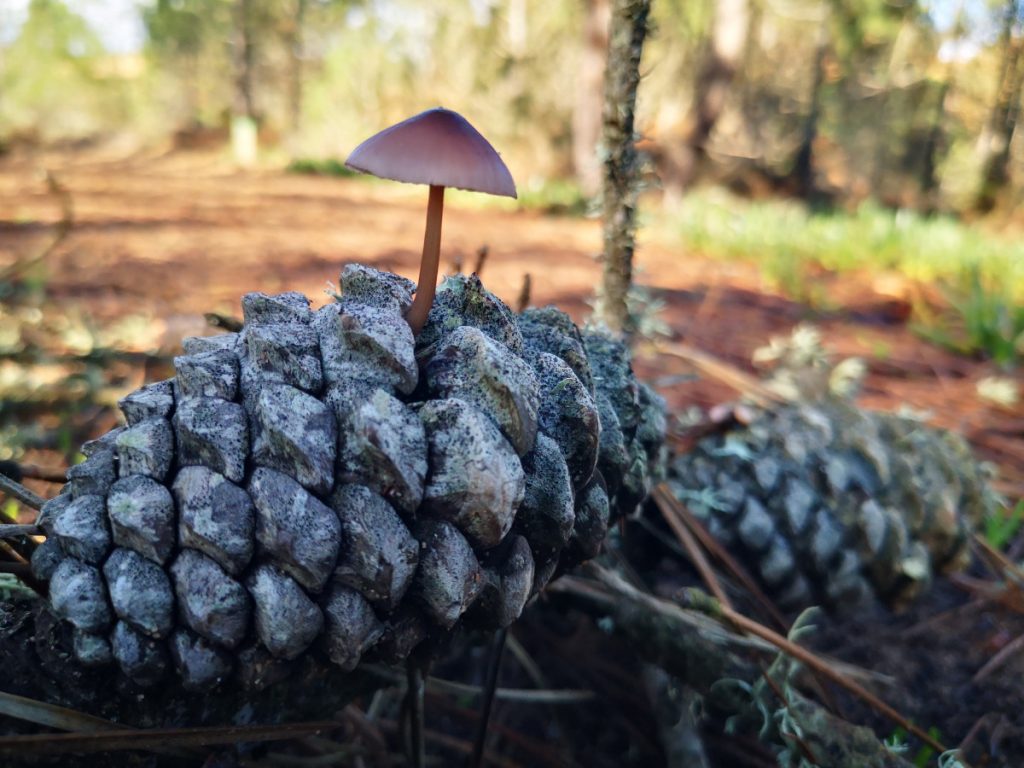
column 424, row 299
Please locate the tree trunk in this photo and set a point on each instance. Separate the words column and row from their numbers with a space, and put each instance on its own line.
column 1002, row 122
column 803, row 163
column 726, row 45
column 586, row 118
column 244, row 142
column 627, row 31
column 929, row 181
column 294, row 41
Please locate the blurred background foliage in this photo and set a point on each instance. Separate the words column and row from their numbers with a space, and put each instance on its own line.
column 806, row 134
column 910, row 102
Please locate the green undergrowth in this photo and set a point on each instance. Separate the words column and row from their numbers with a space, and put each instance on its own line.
column 981, row 272
column 330, row 166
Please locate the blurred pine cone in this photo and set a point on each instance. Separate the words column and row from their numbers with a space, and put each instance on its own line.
column 827, row 503
column 322, row 482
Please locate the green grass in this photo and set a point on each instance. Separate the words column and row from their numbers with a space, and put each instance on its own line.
column 982, row 272
column 1002, row 525
column 330, row 166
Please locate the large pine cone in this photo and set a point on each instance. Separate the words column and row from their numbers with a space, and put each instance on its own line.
column 830, row 504
column 323, row 482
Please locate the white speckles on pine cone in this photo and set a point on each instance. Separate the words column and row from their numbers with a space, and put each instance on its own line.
column 296, row 434
column 568, row 415
column 375, row 338
column 351, row 626
column 153, row 401
column 285, row 353
column 207, row 374
column 216, row 517
column 213, row 433
column 267, row 493
column 81, row 529
column 141, row 514
column 449, row 577
column 295, row 528
column 548, row 329
column 141, row 658
column 209, row 601
column 547, row 513
column 93, row 476
column 77, row 595
column 146, row 449
column 472, row 367
column 140, row 592
column 222, row 342
column 476, row 481
column 462, row 300
column 287, row 621
column 382, row 445
column 200, row 664
column 378, row 555
column 367, row 285
column 261, row 309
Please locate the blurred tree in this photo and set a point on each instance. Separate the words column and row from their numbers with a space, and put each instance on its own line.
column 48, row 78
column 724, row 49
column 586, row 119
column 626, row 34
column 998, row 134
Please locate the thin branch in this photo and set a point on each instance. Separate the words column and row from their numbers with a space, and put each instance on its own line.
column 698, row 601
column 16, row 490
column 721, row 371
column 154, row 738
column 695, row 553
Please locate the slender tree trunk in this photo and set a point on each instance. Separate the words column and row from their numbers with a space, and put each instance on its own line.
column 1002, row 122
column 725, row 50
column 586, row 118
column 627, row 31
column 244, row 142
column 294, row 40
column 929, row 181
column 803, row 163
column 517, row 27
column 244, row 59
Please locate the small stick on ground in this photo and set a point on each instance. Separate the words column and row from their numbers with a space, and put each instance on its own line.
column 721, row 371
column 696, row 600
column 1012, row 647
column 481, row 259
column 16, row 490
column 524, row 295
column 225, row 322
column 695, row 553
column 711, row 544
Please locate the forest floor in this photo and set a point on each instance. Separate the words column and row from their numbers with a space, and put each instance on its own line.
column 155, row 243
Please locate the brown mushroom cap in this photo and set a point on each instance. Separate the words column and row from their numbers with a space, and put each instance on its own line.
column 437, row 147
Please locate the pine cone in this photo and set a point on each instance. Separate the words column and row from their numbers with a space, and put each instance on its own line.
column 323, row 483
column 830, row 504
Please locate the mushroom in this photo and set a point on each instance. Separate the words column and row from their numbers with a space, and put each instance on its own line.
column 439, row 148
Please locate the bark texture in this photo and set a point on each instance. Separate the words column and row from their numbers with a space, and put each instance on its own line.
column 621, row 168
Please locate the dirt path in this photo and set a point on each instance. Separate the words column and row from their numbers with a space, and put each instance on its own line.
column 171, row 238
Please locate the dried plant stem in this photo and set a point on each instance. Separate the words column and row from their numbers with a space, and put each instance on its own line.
column 16, row 490
column 706, row 604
